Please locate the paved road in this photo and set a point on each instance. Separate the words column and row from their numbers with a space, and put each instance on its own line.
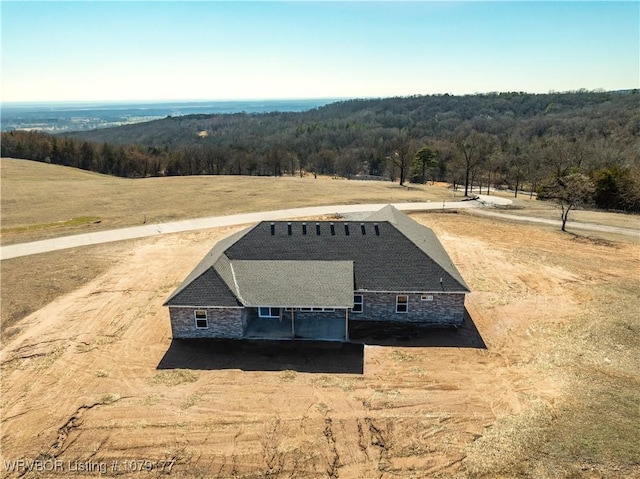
column 65, row 242
column 98, row 237
column 570, row 224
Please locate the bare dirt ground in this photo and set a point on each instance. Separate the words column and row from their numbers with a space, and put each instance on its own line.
column 92, row 378
column 30, row 282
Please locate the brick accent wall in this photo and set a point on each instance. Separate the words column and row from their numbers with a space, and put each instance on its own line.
column 444, row 310
column 222, row 323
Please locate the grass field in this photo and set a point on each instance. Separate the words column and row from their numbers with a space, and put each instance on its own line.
column 547, row 210
column 554, row 395
column 40, row 200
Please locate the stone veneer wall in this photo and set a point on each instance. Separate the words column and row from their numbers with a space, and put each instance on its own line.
column 222, row 322
column 444, row 310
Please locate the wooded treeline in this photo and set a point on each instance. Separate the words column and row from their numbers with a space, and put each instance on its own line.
column 507, row 140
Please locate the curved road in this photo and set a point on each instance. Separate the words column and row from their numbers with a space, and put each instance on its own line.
column 65, row 242
column 570, row 224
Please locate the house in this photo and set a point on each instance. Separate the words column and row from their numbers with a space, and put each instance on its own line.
column 309, row 280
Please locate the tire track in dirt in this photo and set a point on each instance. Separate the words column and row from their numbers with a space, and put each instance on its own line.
column 333, row 461
column 273, row 457
column 379, row 438
column 414, row 409
column 72, row 425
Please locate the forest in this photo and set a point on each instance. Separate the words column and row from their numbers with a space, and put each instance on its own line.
column 517, row 141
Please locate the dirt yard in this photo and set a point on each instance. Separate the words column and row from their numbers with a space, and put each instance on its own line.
column 92, row 379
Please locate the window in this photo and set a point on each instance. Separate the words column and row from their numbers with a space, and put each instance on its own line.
column 316, row 310
column 269, row 312
column 358, row 302
column 201, row 319
column 402, row 303
column 426, row 297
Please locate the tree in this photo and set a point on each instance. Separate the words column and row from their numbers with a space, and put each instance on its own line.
column 87, row 156
column 424, row 159
column 560, row 155
column 323, row 162
column 474, row 147
column 491, row 164
column 568, row 192
column 616, row 188
column 401, row 157
column 347, row 164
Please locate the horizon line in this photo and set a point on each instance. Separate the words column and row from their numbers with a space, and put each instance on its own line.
column 156, row 101
column 337, row 98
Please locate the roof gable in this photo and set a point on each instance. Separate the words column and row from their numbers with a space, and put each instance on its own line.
column 208, row 289
column 216, row 253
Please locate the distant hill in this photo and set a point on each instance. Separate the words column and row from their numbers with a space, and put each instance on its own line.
column 60, row 117
column 512, row 140
column 422, row 116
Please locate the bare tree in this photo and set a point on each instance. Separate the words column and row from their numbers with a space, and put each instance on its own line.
column 569, row 192
column 347, row 164
column 401, row 156
column 474, row 147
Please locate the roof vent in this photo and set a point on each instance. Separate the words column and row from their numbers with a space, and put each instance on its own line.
column 289, row 229
column 304, row 228
column 346, row 229
column 318, row 229
column 364, row 231
column 377, row 228
column 273, row 229
column 333, row 229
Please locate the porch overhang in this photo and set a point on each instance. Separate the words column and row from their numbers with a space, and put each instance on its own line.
column 294, row 284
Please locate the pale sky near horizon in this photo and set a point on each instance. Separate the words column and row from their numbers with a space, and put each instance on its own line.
column 211, row 50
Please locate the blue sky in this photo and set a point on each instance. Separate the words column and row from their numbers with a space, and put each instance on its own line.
column 171, row 50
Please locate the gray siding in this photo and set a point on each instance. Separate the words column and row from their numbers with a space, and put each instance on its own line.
column 444, row 310
column 222, row 322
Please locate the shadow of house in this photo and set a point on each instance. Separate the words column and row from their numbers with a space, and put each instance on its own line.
column 374, row 333
column 314, row 356
column 260, row 355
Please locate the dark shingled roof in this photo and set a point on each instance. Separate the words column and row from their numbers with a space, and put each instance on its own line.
column 423, row 237
column 389, row 252
column 195, row 290
column 208, row 289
